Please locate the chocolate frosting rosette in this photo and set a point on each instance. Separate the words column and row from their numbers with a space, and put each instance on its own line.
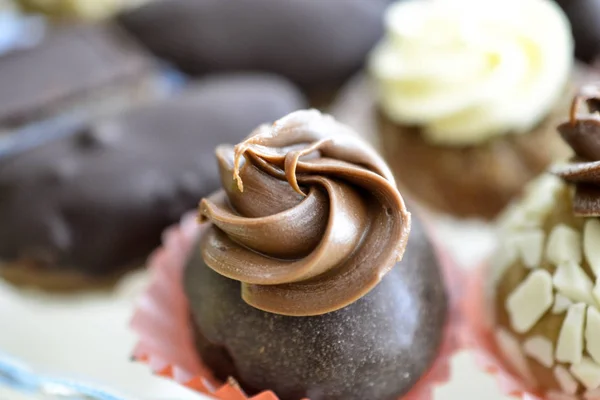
column 307, row 277
column 316, row 248
column 540, row 328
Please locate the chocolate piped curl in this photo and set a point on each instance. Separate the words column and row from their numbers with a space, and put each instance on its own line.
column 309, row 219
column 582, row 133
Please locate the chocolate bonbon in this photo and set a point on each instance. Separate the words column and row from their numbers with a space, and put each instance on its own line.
column 308, row 257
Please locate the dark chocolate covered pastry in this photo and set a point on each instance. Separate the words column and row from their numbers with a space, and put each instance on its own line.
column 85, row 69
column 306, row 282
column 317, row 44
column 94, row 201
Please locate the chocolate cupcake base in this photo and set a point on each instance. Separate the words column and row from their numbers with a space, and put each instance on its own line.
column 470, row 181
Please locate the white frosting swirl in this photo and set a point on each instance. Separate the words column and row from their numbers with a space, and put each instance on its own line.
column 468, row 70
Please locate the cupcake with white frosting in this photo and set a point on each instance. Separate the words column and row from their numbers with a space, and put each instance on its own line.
column 545, row 286
column 467, row 93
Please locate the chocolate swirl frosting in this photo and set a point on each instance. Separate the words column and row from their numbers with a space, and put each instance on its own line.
column 309, row 219
column 582, row 133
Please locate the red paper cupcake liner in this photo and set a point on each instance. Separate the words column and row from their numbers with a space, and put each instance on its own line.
column 166, row 344
column 478, row 336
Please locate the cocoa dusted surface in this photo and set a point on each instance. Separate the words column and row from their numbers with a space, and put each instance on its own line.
column 376, row 348
column 97, row 199
column 314, row 43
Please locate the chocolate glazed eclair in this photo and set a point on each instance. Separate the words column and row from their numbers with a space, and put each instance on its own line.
column 305, row 280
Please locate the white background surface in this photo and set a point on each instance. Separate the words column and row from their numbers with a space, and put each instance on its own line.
column 87, row 336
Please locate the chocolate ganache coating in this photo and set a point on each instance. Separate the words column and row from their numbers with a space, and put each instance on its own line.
column 306, row 281
column 582, row 133
column 96, row 199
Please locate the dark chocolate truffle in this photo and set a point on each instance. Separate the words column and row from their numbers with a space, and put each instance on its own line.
column 96, row 200
column 296, row 287
column 314, row 43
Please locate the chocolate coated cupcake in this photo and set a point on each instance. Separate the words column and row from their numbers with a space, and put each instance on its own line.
column 546, row 291
column 305, row 280
column 467, row 106
column 82, row 202
column 316, row 44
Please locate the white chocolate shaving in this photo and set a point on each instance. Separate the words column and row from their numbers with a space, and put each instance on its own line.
column 565, row 380
column 587, row 372
column 569, row 348
column 596, row 291
column 561, row 304
column 504, row 257
column 530, row 245
column 564, row 245
column 535, row 206
column 530, row 300
column 572, row 281
column 591, row 244
column 592, row 333
column 511, row 349
column 540, row 349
